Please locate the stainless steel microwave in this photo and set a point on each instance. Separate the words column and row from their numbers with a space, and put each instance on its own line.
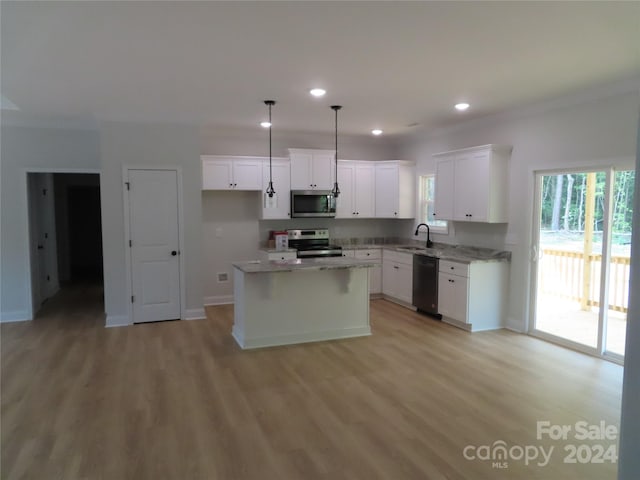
column 312, row 203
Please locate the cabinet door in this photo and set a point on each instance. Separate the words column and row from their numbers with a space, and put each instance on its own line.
column 472, row 187
column 345, row 201
column 389, row 278
column 301, row 171
column 280, row 205
column 386, row 194
column 453, row 296
column 217, row 174
column 364, row 186
column 375, row 280
column 405, row 282
column 322, row 171
column 443, row 208
column 247, row 174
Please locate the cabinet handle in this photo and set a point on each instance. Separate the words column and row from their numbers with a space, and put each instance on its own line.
column 434, row 214
column 231, row 184
column 452, row 281
column 396, row 267
column 368, row 254
column 235, row 185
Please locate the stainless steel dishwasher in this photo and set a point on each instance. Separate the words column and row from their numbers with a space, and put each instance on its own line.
column 425, row 285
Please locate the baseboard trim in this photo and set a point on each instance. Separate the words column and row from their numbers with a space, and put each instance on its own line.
column 195, row 314
column 117, row 321
column 15, row 316
column 399, row 302
column 218, row 300
column 514, row 325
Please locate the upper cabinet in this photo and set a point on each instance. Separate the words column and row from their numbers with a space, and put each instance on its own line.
column 356, row 180
column 231, row 173
column 395, row 187
column 471, row 184
column 311, row 169
column 278, row 206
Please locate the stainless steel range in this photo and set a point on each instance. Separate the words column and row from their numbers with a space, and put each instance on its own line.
column 313, row 243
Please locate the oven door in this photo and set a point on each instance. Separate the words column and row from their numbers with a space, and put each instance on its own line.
column 312, row 203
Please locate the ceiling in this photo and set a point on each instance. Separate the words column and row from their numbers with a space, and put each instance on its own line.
column 391, row 65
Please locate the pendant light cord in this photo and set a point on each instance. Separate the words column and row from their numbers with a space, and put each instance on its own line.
column 336, row 189
column 270, row 189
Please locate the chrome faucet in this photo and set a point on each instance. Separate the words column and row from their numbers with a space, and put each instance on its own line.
column 429, row 242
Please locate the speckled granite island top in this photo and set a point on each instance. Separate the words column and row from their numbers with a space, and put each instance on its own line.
column 328, row 263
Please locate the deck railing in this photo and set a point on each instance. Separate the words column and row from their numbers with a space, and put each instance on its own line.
column 562, row 274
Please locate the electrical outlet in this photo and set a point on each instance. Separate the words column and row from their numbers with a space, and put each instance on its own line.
column 223, row 277
column 219, row 232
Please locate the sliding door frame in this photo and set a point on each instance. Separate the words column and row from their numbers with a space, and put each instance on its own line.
column 534, row 252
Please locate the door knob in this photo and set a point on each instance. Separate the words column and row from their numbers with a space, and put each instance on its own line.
column 174, row 253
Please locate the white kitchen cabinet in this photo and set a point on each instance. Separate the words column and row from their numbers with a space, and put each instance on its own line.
column 395, row 189
column 312, row 169
column 278, row 206
column 452, row 296
column 443, row 208
column 479, row 187
column 356, row 180
column 231, row 173
column 472, row 296
column 375, row 273
column 397, row 276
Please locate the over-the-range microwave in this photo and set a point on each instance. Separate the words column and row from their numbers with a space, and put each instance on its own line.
column 313, row 203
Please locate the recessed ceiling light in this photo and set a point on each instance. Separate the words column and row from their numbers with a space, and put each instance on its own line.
column 317, row 92
column 461, row 107
column 265, row 124
column 376, row 131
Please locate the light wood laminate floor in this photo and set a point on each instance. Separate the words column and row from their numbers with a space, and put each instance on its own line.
column 180, row 400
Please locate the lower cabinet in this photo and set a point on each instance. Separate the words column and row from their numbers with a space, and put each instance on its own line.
column 473, row 296
column 397, row 276
column 375, row 273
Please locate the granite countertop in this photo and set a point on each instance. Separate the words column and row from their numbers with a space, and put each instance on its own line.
column 456, row 253
column 327, row 263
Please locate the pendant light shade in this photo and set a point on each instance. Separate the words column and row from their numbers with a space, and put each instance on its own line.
column 336, row 190
column 270, row 190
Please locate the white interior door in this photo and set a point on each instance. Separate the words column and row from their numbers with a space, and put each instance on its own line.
column 155, row 249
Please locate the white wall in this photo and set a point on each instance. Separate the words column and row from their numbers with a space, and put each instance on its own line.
column 131, row 144
column 629, row 465
column 26, row 148
column 596, row 132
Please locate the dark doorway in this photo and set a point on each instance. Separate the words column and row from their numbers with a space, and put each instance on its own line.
column 85, row 234
column 79, row 228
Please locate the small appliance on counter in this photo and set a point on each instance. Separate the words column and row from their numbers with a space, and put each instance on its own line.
column 313, row 243
column 281, row 240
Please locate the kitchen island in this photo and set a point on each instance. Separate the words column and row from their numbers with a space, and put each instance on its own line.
column 295, row 301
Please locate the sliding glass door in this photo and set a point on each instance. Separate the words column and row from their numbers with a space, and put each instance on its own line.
column 581, row 253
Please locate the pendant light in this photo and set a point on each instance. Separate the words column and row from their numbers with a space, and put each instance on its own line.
column 336, row 191
column 270, row 190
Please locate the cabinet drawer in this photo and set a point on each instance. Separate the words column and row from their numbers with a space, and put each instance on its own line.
column 287, row 255
column 454, row 268
column 369, row 254
column 399, row 257
column 348, row 253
